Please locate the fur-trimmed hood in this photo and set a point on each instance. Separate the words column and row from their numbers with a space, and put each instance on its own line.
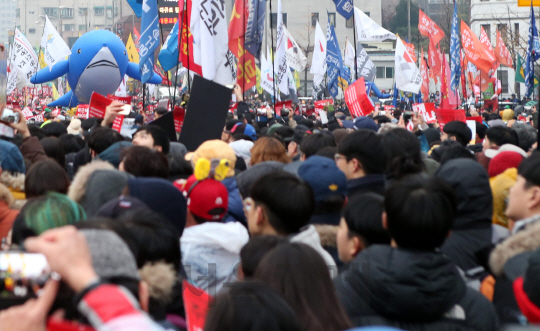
column 327, row 233
column 77, row 189
column 523, row 241
column 14, row 180
column 6, row 196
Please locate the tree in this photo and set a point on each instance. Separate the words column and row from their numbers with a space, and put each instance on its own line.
column 398, row 24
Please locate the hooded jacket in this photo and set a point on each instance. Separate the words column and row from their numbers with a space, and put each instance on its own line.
column 471, row 233
column 235, row 210
column 411, row 290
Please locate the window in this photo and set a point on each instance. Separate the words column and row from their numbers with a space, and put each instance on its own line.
column 66, row 12
column 502, row 75
column 332, row 19
column 273, row 20
column 50, row 11
column 516, row 33
column 99, row 11
column 503, row 29
column 82, row 27
column 380, row 72
column 367, row 13
column 389, row 72
column 109, row 12
column 349, row 23
column 314, row 19
column 487, row 28
column 69, row 27
column 71, row 41
column 18, row 12
column 30, row 12
column 83, row 11
column 31, row 30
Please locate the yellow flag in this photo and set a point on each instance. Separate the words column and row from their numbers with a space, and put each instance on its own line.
column 259, row 88
column 297, row 79
column 55, row 94
column 42, row 63
column 133, row 55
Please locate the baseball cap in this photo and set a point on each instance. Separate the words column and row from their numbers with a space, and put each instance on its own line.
column 299, row 133
column 365, row 123
column 207, row 199
column 324, row 177
column 246, row 129
column 491, row 153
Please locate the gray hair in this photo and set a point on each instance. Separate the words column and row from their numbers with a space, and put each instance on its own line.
column 527, row 135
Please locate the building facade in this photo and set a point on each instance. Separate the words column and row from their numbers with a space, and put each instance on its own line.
column 7, row 19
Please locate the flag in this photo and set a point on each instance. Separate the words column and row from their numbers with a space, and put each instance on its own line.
column 428, row 28
column 42, row 63
column 23, row 58
column 150, row 37
column 344, row 8
column 484, row 40
column 410, row 49
column 348, row 60
column 449, row 98
column 408, row 77
column 55, row 94
column 295, row 57
column 455, row 51
column 533, row 54
column 280, row 62
column 365, row 67
column 318, row 63
column 258, row 85
column 267, row 74
column 520, row 70
column 132, row 52
column 168, row 55
column 425, row 78
column 121, row 91
column 247, row 73
column 463, row 79
column 333, row 59
column 368, row 30
column 54, row 47
column 501, row 52
column 474, row 50
column 297, row 79
column 434, row 58
column 186, row 39
column 137, row 6
column 136, row 38
column 255, row 27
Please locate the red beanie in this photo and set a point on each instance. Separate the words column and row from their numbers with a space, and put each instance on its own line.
column 503, row 161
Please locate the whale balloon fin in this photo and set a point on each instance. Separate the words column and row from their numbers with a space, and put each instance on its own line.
column 47, row 74
column 67, row 100
column 133, row 72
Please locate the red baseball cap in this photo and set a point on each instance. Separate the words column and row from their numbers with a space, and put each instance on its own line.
column 207, row 199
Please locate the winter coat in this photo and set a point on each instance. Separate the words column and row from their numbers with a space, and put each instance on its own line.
column 411, row 290
column 309, row 236
column 235, row 210
column 32, row 150
column 374, row 183
column 7, row 215
column 471, row 233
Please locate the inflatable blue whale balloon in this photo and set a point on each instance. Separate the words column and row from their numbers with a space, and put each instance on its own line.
column 98, row 63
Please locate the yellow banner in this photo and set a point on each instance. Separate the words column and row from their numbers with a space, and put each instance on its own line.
column 527, row 3
column 133, row 55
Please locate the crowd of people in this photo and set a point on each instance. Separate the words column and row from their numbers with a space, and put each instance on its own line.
column 285, row 223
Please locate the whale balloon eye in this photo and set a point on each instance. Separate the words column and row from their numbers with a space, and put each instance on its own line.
column 124, row 52
column 79, row 51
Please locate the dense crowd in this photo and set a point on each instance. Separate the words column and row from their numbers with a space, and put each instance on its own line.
column 285, row 223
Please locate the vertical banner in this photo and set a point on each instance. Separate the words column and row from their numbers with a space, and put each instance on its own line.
column 357, row 99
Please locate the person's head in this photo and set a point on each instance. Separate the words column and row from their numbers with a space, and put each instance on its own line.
column 458, row 131
column 45, row 176
column 268, row 149
column 403, row 153
column 102, row 138
column 75, row 127
column 152, row 136
column 498, row 136
column 450, row 150
column 286, row 269
column 279, row 203
column 527, row 135
column 226, row 134
column 214, row 149
column 419, row 212
column 54, row 148
column 361, row 153
column 144, row 162
column 361, row 226
column 293, row 147
column 72, row 144
column 250, row 306
column 480, row 131
column 254, row 251
column 313, row 143
column 160, row 111
column 524, row 196
column 54, row 129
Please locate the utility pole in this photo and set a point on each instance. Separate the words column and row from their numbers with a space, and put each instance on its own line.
column 409, row 19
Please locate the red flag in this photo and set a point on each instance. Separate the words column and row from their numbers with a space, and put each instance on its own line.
column 410, row 50
column 445, row 116
column 425, row 78
column 186, row 38
column 136, row 38
column 484, row 40
column 474, row 50
column 247, row 72
column 357, row 99
column 464, row 65
column 501, row 52
column 428, row 28
column 434, row 59
column 449, row 99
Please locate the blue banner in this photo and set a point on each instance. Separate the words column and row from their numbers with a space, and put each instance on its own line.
column 455, row 49
column 533, row 54
column 136, row 5
column 334, row 61
column 149, row 39
column 255, row 27
column 345, row 8
column 168, row 56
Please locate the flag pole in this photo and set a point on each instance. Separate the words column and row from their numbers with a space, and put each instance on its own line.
column 187, row 42
column 355, row 50
column 162, row 42
column 272, row 61
column 244, row 58
column 180, row 31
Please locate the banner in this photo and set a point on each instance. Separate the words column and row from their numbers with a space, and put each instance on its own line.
column 168, row 55
column 319, row 105
column 368, row 30
column 425, row 78
column 247, row 74
column 179, row 114
column 82, row 111
column 255, row 27
column 333, row 59
column 318, row 62
column 501, row 52
column 427, row 110
column 357, row 99
column 344, row 8
column 149, row 39
column 280, row 105
column 408, row 78
column 186, row 39
column 280, row 62
column 428, row 28
column 520, row 70
column 348, row 59
column 267, row 76
column 455, row 53
column 295, row 57
column 410, row 49
column 449, row 98
column 54, row 47
column 435, row 62
column 23, row 56
column 445, row 116
column 484, row 40
column 132, row 52
column 474, row 50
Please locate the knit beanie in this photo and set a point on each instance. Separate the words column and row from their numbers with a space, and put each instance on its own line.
column 500, row 185
column 503, row 161
column 103, row 186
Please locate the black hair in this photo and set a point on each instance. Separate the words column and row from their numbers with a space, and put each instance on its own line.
column 367, row 147
column 311, row 144
column 54, row 149
column 250, row 306
column 89, row 123
column 102, row 138
column 460, row 131
column 161, row 111
column 500, row 135
column 288, row 201
column 527, row 135
column 481, row 130
column 254, row 251
column 328, row 152
column 530, row 170
column 55, row 129
column 179, row 168
column 45, row 176
column 145, row 162
column 286, row 269
column 71, row 143
column 486, row 116
column 36, row 131
column 380, row 119
column 403, row 153
column 363, row 215
column 448, row 152
column 159, row 135
column 420, row 212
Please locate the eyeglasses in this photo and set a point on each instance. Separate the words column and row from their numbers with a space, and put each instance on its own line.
column 337, row 157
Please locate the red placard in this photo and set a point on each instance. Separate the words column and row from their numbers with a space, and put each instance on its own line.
column 39, row 118
column 97, row 106
column 196, row 304
column 55, row 112
column 319, row 105
column 178, row 114
column 124, row 100
column 357, row 99
column 427, row 110
column 448, row 115
column 476, row 118
column 27, row 113
column 280, row 105
column 117, row 124
column 388, row 108
column 82, row 111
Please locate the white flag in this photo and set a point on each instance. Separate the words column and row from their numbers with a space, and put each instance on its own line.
column 368, row 30
column 295, row 57
column 54, row 47
column 210, row 38
column 292, row 82
column 121, row 91
column 267, row 77
column 318, row 64
column 280, row 63
column 408, row 77
column 349, row 55
column 23, row 57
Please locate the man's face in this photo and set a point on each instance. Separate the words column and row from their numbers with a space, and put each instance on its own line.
column 486, row 144
column 225, row 136
column 517, row 200
column 347, row 167
column 143, row 138
column 533, row 109
column 444, row 136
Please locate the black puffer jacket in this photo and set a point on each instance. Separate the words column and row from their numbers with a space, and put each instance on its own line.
column 470, row 241
column 411, row 290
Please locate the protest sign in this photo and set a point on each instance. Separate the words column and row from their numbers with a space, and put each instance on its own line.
column 427, row 110
column 448, row 115
column 82, row 111
column 280, row 105
column 98, row 104
column 357, row 99
column 124, row 100
column 319, row 105
column 179, row 114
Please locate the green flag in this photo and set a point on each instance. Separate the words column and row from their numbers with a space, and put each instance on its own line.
column 520, row 71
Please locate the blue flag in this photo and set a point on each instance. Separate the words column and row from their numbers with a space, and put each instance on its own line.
column 455, row 49
column 333, row 60
column 395, row 96
column 136, row 5
column 149, row 39
column 345, row 8
column 255, row 27
column 533, row 54
column 168, row 56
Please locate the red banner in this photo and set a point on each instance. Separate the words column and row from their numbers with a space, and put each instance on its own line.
column 434, row 58
column 247, row 72
column 474, row 50
column 426, row 110
column 186, row 38
column 410, row 50
column 117, row 124
column 124, row 100
column 281, row 105
column 484, row 40
column 196, row 303
column 448, row 115
column 425, row 79
column 501, row 52
column 98, row 104
column 428, row 28
column 179, row 114
column 82, row 111
column 319, row 105
column 357, row 99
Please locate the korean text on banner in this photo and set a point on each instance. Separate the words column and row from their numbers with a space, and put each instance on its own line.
column 281, row 105
column 427, row 110
column 82, row 111
column 445, row 116
column 98, row 104
column 357, row 99
column 319, row 105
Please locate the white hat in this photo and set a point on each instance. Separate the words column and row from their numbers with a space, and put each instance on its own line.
column 75, row 127
column 491, row 153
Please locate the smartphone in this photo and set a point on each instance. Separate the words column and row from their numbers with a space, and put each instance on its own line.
column 9, row 116
column 126, row 110
column 382, row 112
